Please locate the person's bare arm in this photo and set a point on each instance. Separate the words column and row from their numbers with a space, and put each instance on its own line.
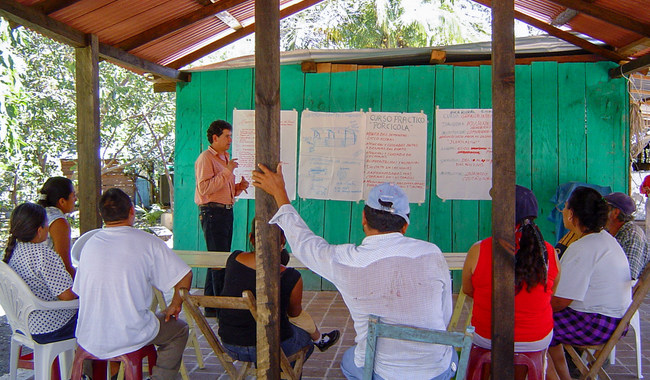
column 559, row 303
column 176, row 305
column 67, row 295
column 272, row 183
column 295, row 300
column 60, row 234
column 468, row 268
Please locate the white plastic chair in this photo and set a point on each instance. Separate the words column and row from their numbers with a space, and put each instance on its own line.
column 18, row 302
column 635, row 324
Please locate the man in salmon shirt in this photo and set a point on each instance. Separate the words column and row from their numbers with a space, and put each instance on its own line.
column 215, row 195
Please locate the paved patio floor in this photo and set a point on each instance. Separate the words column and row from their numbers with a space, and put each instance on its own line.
column 329, row 312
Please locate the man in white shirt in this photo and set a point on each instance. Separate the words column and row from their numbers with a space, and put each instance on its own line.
column 118, row 267
column 402, row 280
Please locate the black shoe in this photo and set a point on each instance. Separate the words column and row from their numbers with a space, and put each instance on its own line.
column 210, row 312
column 327, row 340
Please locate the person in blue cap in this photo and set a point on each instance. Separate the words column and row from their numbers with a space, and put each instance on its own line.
column 400, row 279
column 620, row 224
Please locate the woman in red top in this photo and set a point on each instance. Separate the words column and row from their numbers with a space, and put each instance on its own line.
column 536, row 276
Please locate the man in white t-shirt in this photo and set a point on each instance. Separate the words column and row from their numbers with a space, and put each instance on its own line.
column 118, row 267
column 400, row 279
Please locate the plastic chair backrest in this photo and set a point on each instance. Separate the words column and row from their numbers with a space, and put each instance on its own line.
column 378, row 329
column 18, row 301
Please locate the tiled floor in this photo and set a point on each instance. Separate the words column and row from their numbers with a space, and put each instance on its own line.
column 329, row 312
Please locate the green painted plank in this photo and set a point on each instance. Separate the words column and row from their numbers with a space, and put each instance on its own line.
column 421, row 90
column 545, row 140
column 292, row 89
column 572, row 141
column 310, row 280
column 523, row 145
column 369, row 84
column 317, row 98
column 465, row 213
column 485, row 101
column 338, row 216
column 440, row 228
column 187, row 231
column 606, row 146
column 241, row 85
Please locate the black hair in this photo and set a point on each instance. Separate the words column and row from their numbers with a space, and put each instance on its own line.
column 531, row 259
column 114, row 205
column 25, row 220
column 589, row 207
column 54, row 189
column 383, row 221
column 217, row 127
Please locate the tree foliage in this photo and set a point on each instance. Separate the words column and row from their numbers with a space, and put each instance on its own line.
column 386, row 24
column 38, row 113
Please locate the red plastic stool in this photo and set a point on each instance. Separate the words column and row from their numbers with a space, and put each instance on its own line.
column 479, row 356
column 132, row 363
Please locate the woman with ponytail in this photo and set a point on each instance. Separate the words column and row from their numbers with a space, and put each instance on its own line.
column 43, row 271
column 596, row 290
column 536, row 276
column 58, row 197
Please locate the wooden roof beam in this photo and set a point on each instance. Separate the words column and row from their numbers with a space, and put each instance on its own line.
column 630, row 67
column 167, row 27
column 41, row 23
column 607, row 15
column 561, row 34
column 232, row 37
column 50, row 6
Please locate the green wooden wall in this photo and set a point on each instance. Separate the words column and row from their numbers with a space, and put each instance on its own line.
column 571, row 119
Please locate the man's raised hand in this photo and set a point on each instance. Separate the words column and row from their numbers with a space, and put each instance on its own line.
column 271, row 182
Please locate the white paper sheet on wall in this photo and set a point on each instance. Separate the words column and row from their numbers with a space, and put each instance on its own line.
column 243, row 148
column 396, row 151
column 331, row 156
column 464, row 153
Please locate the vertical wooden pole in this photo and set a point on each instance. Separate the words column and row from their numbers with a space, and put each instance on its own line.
column 88, row 165
column 503, row 187
column 267, row 151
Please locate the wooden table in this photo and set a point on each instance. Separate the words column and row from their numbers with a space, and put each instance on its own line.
column 203, row 259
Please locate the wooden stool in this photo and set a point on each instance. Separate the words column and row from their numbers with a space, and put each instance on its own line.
column 132, row 363
column 479, row 356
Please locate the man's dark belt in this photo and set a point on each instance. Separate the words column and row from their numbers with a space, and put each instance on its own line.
column 216, row 205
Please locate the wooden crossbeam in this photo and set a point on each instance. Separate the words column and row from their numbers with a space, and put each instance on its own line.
column 608, row 15
column 561, row 34
column 50, row 6
column 630, row 67
column 167, row 27
column 232, row 37
column 41, row 23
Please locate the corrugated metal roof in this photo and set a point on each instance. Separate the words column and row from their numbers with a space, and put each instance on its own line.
column 118, row 22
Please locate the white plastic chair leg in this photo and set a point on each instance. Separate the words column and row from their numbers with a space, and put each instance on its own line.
column 43, row 358
column 65, row 364
column 13, row 359
column 635, row 322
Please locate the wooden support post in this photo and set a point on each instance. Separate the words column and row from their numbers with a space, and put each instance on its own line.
column 503, row 187
column 89, row 177
column 267, row 151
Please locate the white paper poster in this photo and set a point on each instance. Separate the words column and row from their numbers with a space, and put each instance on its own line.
column 464, row 153
column 243, row 148
column 396, row 151
column 331, row 156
